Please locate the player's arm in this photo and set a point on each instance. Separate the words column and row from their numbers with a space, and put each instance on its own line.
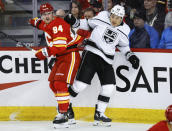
column 59, row 44
column 85, row 24
column 60, row 33
column 79, row 23
column 72, row 41
column 43, row 53
column 57, row 48
column 38, row 23
column 75, row 41
column 123, row 46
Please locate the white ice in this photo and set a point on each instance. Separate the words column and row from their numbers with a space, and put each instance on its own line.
column 80, row 126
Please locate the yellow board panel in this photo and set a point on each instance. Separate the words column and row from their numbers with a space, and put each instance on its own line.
column 130, row 115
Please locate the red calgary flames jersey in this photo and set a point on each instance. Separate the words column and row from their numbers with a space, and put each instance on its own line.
column 160, row 126
column 58, row 35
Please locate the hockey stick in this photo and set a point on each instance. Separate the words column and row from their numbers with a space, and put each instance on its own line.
column 11, row 38
column 28, row 47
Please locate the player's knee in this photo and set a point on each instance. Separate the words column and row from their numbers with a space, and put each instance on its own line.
column 77, row 87
column 107, row 90
column 72, row 92
column 60, row 86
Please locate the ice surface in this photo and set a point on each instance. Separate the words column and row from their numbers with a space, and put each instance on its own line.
column 80, row 126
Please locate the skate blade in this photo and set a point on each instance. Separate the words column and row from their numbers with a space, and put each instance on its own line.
column 71, row 121
column 100, row 123
column 61, row 125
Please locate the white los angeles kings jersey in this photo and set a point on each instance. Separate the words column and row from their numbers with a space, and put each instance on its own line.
column 104, row 37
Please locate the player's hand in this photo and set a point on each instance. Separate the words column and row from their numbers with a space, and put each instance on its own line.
column 83, row 44
column 133, row 59
column 42, row 53
column 35, row 21
column 70, row 19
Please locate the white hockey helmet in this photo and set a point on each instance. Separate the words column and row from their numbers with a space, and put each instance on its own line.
column 118, row 10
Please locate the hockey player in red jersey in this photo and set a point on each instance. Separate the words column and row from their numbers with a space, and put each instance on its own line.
column 165, row 125
column 62, row 46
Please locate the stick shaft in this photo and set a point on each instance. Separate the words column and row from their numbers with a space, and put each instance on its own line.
column 11, row 38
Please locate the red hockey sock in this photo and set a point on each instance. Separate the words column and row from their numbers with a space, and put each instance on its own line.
column 62, row 96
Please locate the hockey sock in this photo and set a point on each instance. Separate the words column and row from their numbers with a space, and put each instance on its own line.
column 104, row 97
column 102, row 103
column 62, row 96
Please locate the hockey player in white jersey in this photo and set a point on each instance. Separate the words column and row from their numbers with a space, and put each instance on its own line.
column 108, row 32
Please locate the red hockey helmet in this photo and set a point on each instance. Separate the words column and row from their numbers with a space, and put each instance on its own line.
column 46, row 8
column 168, row 113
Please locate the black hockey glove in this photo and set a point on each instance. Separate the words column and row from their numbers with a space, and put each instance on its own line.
column 133, row 59
column 70, row 19
column 84, row 43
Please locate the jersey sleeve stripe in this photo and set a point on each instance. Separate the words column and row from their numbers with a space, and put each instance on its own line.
column 100, row 21
column 44, row 52
column 60, row 38
column 123, row 33
column 60, row 42
column 39, row 50
column 56, row 45
column 78, row 37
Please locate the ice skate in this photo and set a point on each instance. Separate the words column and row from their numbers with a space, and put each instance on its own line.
column 61, row 121
column 71, row 117
column 100, row 119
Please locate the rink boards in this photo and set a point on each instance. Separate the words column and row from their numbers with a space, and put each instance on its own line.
column 140, row 95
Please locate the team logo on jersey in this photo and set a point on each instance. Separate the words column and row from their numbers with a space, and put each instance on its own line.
column 110, row 36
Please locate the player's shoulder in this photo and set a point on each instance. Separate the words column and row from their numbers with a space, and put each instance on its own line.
column 124, row 28
column 102, row 15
